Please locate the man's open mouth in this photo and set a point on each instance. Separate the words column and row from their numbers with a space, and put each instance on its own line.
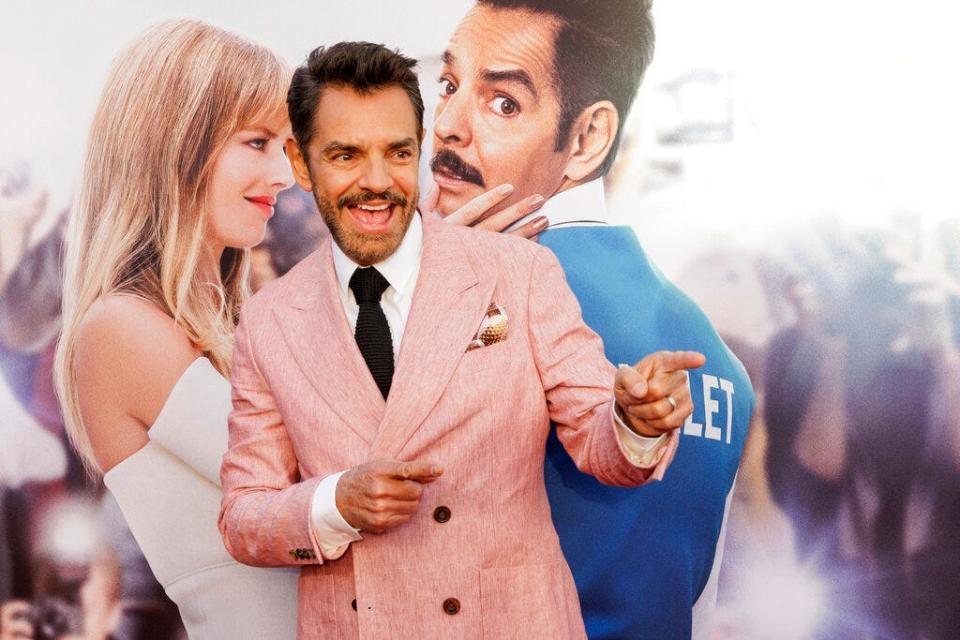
column 373, row 212
column 372, row 218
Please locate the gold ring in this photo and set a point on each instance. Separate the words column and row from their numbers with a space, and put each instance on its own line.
column 673, row 403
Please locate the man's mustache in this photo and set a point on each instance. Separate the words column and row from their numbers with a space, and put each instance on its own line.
column 449, row 162
column 369, row 196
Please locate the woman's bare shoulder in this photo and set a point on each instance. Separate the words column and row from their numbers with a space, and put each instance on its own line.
column 126, row 330
column 129, row 356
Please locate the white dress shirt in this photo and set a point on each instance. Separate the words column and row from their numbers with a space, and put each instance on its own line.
column 401, row 269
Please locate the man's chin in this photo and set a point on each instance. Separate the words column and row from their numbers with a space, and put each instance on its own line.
column 367, row 248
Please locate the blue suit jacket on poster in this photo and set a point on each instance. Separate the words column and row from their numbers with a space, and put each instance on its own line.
column 641, row 557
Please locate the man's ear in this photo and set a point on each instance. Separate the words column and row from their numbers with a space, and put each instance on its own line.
column 591, row 138
column 301, row 173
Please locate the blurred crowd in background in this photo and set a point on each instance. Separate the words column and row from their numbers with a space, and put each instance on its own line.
column 846, row 520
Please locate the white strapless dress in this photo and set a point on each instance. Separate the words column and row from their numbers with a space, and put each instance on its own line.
column 169, row 492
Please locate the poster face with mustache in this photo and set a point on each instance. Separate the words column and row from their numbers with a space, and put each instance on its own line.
column 499, row 115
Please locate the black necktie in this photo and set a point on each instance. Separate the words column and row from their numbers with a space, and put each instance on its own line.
column 373, row 332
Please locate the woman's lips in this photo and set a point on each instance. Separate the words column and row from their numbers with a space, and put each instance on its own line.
column 265, row 203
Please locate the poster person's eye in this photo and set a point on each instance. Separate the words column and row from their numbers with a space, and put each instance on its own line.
column 504, row 106
column 447, row 88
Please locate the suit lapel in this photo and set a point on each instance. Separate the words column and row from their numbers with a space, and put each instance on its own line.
column 448, row 305
column 318, row 334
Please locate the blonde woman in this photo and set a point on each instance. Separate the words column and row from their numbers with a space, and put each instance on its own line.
column 184, row 161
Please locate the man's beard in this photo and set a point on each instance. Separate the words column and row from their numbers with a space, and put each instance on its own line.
column 366, row 249
column 447, row 161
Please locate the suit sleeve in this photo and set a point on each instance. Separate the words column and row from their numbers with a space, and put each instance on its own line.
column 265, row 513
column 578, row 380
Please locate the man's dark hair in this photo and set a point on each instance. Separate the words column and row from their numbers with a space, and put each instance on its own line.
column 600, row 53
column 363, row 66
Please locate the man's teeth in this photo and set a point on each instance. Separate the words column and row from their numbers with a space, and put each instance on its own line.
column 372, row 214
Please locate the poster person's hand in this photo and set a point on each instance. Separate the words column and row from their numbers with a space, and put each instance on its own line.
column 476, row 213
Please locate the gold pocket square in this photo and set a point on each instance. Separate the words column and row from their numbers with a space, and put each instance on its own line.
column 493, row 328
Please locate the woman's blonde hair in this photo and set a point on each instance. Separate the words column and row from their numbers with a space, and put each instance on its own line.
column 171, row 101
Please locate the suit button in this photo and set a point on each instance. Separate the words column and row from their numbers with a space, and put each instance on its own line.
column 354, row 604
column 451, row 606
column 441, row 514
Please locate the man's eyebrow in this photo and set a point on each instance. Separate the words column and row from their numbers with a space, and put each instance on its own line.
column 402, row 144
column 341, row 147
column 512, row 75
column 447, row 57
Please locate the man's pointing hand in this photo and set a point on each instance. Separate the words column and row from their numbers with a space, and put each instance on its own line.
column 382, row 494
column 653, row 395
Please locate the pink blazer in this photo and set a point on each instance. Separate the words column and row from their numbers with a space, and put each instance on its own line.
column 306, row 406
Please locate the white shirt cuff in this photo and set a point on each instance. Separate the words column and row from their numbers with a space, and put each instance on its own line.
column 640, row 451
column 331, row 532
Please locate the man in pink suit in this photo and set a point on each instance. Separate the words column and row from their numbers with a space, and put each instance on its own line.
column 393, row 393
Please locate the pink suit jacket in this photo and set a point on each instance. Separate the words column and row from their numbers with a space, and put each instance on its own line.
column 306, row 406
